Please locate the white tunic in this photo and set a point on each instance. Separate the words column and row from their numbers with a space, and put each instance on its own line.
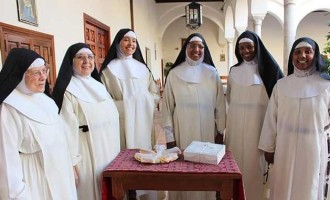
column 95, row 149
column 247, row 104
column 195, row 109
column 135, row 94
column 295, row 129
column 35, row 161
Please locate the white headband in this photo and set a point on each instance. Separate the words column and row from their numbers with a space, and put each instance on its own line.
column 303, row 44
column 245, row 40
column 37, row 63
column 195, row 38
column 130, row 34
column 85, row 50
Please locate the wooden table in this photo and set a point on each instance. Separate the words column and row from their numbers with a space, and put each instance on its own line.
column 125, row 173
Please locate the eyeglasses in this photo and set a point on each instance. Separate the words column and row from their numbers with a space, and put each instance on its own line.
column 38, row 73
column 194, row 46
column 82, row 57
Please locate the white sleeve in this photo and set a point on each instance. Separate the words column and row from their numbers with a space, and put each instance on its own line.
column 12, row 184
column 220, row 109
column 269, row 129
column 154, row 90
column 169, row 135
column 228, row 91
column 68, row 114
column 168, row 104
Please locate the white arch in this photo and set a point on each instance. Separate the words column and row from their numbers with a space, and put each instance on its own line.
column 176, row 12
column 276, row 9
column 258, row 7
column 241, row 14
column 309, row 6
column 229, row 23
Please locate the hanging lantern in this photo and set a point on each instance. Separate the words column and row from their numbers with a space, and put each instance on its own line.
column 194, row 15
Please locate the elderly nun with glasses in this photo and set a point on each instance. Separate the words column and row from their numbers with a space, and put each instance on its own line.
column 295, row 133
column 35, row 162
column 91, row 116
column 193, row 103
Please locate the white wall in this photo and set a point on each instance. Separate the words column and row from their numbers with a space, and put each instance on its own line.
column 145, row 26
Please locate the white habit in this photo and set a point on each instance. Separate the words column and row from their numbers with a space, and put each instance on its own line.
column 247, row 103
column 194, row 106
column 135, row 93
column 35, row 162
column 295, row 128
column 86, row 102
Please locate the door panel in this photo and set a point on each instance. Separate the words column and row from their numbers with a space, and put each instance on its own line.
column 43, row 44
column 102, row 41
column 98, row 39
column 43, row 48
column 15, row 41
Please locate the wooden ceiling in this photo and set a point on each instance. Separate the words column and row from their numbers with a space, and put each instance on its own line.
column 176, row 1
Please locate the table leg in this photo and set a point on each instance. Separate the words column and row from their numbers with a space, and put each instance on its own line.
column 217, row 195
column 226, row 192
column 117, row 189
column 131, row 194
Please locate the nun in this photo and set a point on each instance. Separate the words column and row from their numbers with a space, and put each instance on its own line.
column 35, row 162
column 295, row 133
column 92, row 117
column 131, row 85
column 250, row 84
column 193, row 105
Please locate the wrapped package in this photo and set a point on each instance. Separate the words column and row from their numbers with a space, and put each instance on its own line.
column 204, row 152
column 161, row 155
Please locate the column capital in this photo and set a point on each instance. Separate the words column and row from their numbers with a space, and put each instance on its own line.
column 289, row 2
column 257, row 19
column 230, row 40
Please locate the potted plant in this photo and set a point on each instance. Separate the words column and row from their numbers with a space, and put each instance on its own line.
column 326, row 51
column 168, row 65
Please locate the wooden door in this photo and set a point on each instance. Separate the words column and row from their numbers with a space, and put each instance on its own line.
column 13, row 41
column 44, row 48
column 15, row 37
column 97, row 36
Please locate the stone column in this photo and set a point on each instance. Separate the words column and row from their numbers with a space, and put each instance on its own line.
column 257, row 21
column 230, row 52
column 289, row 30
